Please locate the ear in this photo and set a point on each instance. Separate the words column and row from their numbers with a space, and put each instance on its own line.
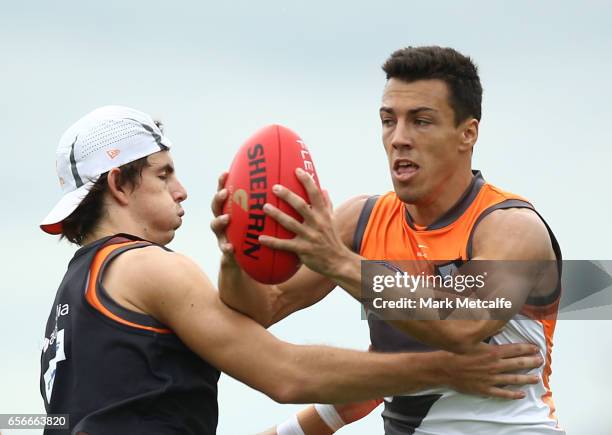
column 469, row 134
column 115, row 189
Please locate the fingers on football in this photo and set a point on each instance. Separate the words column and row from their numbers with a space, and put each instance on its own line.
column 227, row 248
column 274, row 243
column 284, row 219
column 314, row 194
column 218, row 201
column 294, row 200
column 219, row 224
column 328, row 202
column 221, row 180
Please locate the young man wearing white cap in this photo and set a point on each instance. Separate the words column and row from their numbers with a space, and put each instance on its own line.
column 137, row 333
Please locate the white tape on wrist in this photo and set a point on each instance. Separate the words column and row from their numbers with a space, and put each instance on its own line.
column 290, row 427
column 330, row 416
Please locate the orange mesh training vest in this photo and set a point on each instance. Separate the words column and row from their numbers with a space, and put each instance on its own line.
column 385, row 231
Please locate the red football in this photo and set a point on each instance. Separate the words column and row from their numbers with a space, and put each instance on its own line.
column 267, row 158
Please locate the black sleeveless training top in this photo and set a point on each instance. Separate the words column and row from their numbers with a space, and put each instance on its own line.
column 116, row 371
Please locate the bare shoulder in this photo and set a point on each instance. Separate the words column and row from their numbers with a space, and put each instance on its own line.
column 153, row 266
column 347, row 215
column 152, row 278
column 512, row 234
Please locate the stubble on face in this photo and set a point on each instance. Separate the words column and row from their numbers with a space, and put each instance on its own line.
column 420, row 138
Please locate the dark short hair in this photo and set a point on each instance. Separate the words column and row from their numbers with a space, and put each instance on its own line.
column 82, row 221
column 458, row 71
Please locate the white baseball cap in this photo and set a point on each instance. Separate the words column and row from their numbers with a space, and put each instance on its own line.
column 106, row 138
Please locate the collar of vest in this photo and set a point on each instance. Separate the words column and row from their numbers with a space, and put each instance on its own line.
column 456, row 210
column 104, row 241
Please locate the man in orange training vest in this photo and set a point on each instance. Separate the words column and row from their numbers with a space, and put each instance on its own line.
column 441, row 210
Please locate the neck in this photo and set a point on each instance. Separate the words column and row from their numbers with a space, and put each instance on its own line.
column 110, row 226
column 98, row 234
column 448, row 193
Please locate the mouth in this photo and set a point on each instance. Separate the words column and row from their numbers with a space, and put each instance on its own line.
column 404, row 169
column 179, row 223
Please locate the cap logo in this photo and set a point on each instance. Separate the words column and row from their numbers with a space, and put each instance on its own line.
column 113, row 153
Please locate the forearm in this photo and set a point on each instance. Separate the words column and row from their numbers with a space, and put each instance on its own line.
column 350, row 273
column 242, row 293
column 330, row 375
column 457, row 336
column 295, row 373
column 268, row 304
column 468, row 319
column 422, row 323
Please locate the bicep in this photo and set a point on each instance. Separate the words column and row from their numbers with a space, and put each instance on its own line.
column 513, row 251
column 515, row 234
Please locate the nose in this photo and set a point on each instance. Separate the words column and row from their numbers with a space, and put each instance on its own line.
column 180, row 193
column 401, row 137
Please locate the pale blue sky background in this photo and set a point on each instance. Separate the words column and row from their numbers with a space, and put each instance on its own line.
column 215, row 72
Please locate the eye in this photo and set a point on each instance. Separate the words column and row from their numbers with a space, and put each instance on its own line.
column 387, row 122
column 163, row 176
column 422, row 122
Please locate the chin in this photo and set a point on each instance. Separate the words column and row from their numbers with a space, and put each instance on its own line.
column 408, row 199
column 169, row 237
column 406, row 194
column 164, row 238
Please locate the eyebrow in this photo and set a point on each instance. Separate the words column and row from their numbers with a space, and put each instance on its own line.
column 387, row 109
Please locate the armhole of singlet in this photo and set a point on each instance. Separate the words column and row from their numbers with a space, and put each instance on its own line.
column 99, row 299
column 362, row 223
column 534, row 301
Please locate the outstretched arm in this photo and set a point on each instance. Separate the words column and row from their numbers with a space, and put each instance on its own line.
column 180, row 295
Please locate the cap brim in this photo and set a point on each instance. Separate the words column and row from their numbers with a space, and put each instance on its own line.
column 52, row 224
